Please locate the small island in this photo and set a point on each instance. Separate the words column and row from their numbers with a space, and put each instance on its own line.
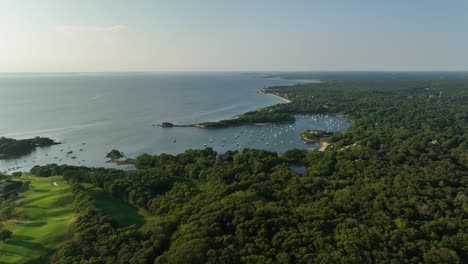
column 315, row 135
column 166, row 124
column 13, row 148
column 260, row 117
column 114, row 155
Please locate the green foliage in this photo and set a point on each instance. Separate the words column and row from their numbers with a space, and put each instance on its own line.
column 123, row 213
column 9, row 186
column 17, row 174
column 392, row 189
column 114, row 154
column 7, row 209
column 5, row 234
column 316, row 135
column 39, row 219
column 262, row 116
column 97, row 238
column 295, row 156
column 43, row 171
column 10, row 147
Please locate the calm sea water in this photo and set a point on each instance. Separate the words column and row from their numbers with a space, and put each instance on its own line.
column 94, row 113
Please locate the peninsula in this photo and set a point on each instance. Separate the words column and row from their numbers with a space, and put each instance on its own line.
column 316, row 135
column 254, row 199
column 11, row 148
column 263, row 116
column 114, row 155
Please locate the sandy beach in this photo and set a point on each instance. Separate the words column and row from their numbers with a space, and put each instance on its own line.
column 323, row 145
column 295, row 80
column 277, row 96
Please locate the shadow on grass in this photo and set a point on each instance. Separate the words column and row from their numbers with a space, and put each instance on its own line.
column 22, row 237
column 124, row 214
column 8, row 253
column 25, row 244
column 33, row 206
column 34, row 224
column 40, row 190
column 27, row 258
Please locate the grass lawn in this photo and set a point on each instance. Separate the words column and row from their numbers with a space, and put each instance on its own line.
column 47, row 214
column 123, row 213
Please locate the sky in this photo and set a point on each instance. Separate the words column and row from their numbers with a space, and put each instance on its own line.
column 233, row 35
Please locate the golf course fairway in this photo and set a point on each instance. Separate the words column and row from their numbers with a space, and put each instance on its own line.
column 47, row 212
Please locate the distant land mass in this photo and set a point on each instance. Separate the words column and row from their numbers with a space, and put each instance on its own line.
column 10, row 147
column 389, row 188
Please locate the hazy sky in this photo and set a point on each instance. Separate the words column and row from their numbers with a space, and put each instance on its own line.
column 234, row 35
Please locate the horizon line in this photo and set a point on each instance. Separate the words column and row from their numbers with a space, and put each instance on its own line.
column 226, row 71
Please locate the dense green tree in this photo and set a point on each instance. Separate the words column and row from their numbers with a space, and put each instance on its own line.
column 5, row 234
column 392, row 189
column 10, row 147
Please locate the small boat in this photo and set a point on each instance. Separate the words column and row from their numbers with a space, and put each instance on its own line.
column 174, row 140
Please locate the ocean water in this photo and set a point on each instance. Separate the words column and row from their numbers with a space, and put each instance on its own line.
column 92, row 114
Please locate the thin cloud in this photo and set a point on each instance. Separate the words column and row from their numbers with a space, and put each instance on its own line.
column 90, row 29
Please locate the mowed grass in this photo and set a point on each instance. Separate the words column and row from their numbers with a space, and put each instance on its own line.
column 47, row 214
column 124, row 214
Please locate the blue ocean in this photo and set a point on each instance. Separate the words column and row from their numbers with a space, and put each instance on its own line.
column 93, row 113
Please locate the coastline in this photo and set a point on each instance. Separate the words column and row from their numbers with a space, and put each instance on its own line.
column 235, row 125
column 293, row 80
column 201, row 125
column 323, row 145
column 286, row 100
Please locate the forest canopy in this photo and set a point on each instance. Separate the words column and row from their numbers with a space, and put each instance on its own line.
column 10, row 147
column 392, row 189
